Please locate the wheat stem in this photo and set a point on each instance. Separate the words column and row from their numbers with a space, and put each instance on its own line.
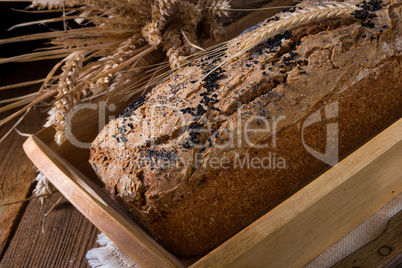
column 24, row 200
column 23, row 84
column 54, row 206
column 22, row 134
column 14, row 126
column 189, row 42
column 37, row 100
column 30, row 23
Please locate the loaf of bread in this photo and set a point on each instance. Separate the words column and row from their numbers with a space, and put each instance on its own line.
column 212, row 148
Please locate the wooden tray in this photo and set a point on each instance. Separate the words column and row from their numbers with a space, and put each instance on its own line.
column 290, row 235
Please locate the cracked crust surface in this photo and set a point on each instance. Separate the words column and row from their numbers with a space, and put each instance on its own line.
column 156, row 157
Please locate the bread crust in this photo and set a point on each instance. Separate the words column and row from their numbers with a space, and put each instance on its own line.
column 162, row 158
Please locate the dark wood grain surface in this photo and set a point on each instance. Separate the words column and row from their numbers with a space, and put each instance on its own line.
column 16, row 174
column 62, row 239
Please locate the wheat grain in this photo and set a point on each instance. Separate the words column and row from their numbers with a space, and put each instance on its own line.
column 152, row 30
column 112, row 7
column 187, row 35
column 213, row 10
column 217, row 30
column 173, row 45
column 164, row 6
column 190, row 13
column 52, row 4
column 152, row 33
column 125, row 51
column 218, row 8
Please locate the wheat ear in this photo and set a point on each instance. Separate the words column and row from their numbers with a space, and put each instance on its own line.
column 43, row 187
column 299, row 18
column 295, row 20
column 68, row 99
